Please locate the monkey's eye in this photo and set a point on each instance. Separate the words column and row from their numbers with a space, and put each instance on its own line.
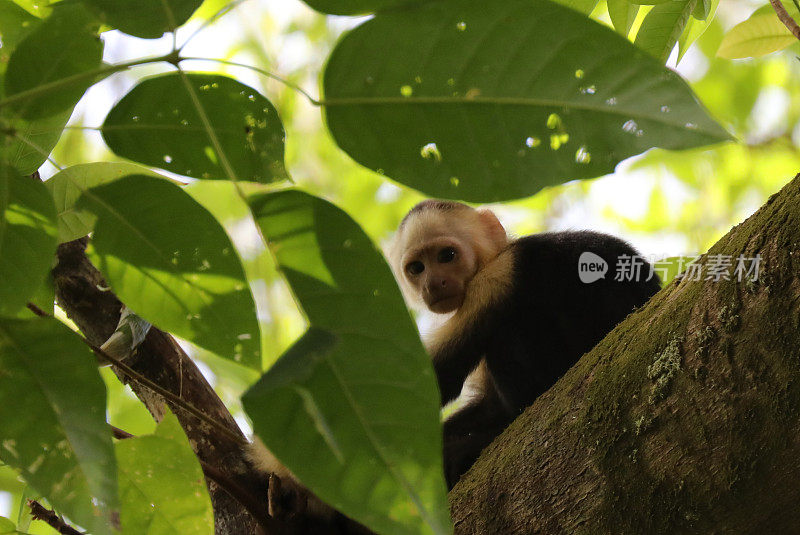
column 448, row 254
column 415, row 268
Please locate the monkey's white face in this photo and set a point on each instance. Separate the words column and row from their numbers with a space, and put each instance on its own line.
column 435, row 254
column 438, row 270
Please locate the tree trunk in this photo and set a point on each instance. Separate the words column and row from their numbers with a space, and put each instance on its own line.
column 684, row 419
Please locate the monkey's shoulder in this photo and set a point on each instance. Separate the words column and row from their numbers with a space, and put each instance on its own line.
column 551, row 260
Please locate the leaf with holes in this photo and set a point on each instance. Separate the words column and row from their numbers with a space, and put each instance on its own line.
column 144, row 18
column 199, row 125
column 67, row 185
column 170, row 261
column 27, row 238
column 53, row 421
column 68, row 40
column 353, row 407
column 461, row 101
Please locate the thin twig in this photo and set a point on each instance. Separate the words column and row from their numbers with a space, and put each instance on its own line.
column 40, row 512
column 262, row 72
column 785, row 18
column 158, row 389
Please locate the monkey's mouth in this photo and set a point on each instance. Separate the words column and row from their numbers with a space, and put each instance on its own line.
column 445, row 304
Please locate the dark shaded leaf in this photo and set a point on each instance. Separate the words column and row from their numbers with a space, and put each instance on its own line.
column 157, row 123
column 144, row 18
column 460, row 101
column 351, row 408
column 171, row 263
column 52, row 420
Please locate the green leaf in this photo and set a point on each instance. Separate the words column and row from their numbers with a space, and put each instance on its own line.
column 161, row 484
column 68, row 42
column 662, row 26
column 7, row 526
column 695, row 28
column 170, row 261
column 759, row 35
column 15, row 25
column 354, row 7
column 67, row 185
column 35, row 7
column 702, row 9
column 32, row 141
column 157, row 123
column 622, row 14
column 148, row 19
column 461, row 101
column 584, row 6
column 352, row 408
column 52, row 420
column 27, row 238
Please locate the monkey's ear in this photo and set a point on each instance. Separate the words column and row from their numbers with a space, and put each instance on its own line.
column 492, row 226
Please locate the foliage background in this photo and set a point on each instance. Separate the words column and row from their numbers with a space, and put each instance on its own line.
column 664, row 203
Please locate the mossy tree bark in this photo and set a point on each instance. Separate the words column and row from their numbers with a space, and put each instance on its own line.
column 684, row 419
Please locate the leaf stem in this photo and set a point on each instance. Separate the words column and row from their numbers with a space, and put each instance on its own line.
column 268, row 74
column 82, row 76
column 212, row 19
column 785, row 18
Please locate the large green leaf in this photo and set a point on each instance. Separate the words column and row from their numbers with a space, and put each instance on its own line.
column 622, row 14
column 352, row 408
column 171, row 262
column 15, row 25
column 52, row 420
column 67, row 185
column 68, row 44
column 32, row 140
column 157, row 123
column 662, row 27
column 697, row 26
column 462, row 101
column 761, row 34
column 144, row 18
column 354, row 7
column 27, row 238
column 35, row 7
column 161, row 484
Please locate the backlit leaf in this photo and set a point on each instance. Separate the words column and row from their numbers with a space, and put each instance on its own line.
column 759, row 35
column 27, row 238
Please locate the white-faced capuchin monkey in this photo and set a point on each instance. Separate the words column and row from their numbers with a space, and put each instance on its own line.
column 521, row 316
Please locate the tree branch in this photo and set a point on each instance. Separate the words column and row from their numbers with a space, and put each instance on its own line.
column 785, row 18
column 40, row 512
column 684, row 419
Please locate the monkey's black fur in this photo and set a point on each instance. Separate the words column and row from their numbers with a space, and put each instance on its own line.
column 529, row 339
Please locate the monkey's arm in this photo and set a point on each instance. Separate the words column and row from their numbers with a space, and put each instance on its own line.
column 459, row 345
